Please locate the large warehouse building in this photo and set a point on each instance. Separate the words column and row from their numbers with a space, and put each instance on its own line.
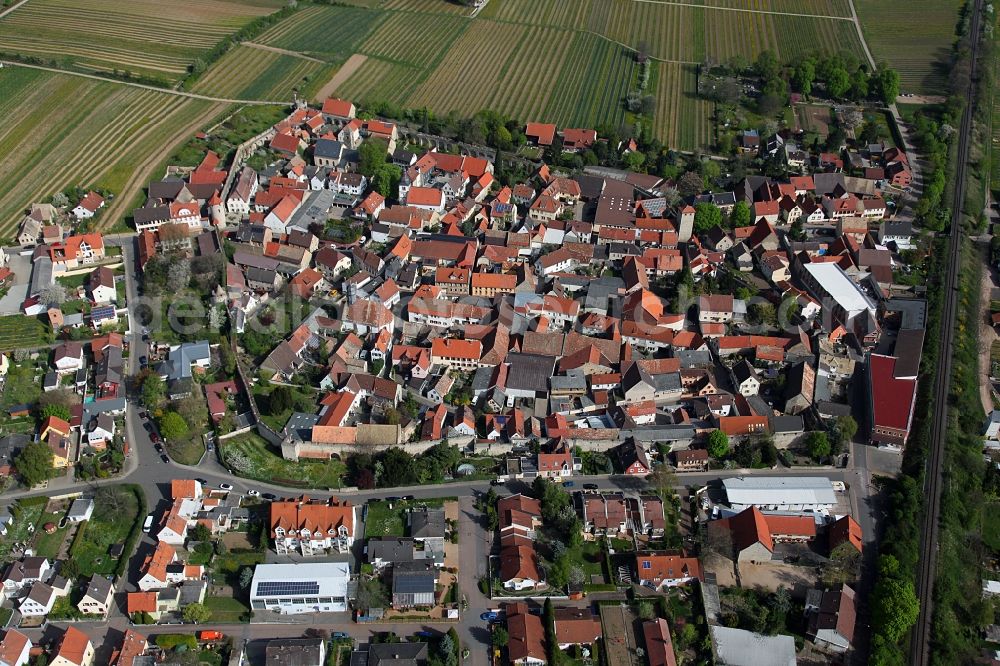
column 780, row 493
column 314, row 587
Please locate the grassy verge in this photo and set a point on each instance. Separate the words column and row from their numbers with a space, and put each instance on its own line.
column 186, row 451
column 226, row 609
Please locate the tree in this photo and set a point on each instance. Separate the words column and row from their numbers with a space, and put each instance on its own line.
column 59, row 411
column 69, row 569
column 718, row 444
column 372, row 156
column 762, row 313
column 196, row 613
column 742, row 215
column 852, row 118
column 646, row 610
column 690, row 184
column 818, row 445
column 803, row 76
column 500, row 637
column 371, row 594
column 663, row 480
column 767, row 65
column 838, row 83
column 53, row 295
column 34, row 463
column 847, row 427
column 279, row 400
column 706, row 216
column 178, row 274
column 894, row 607
column 173, row 426
column 192, row 409
column 884, row 84
column 200, row 533
column 153, row 390
column 246, row 577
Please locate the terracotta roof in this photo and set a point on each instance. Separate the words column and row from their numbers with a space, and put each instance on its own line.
column 338, row 107
column 298, row 514
column 455, row 348
column 369, row 313
column 657, row 567
column 141, row 602
column 183, row 488
column 790, row 525
column 659, row 645
column 542, row 133
column 425, row 196
column 892, row 398
column 748, row 527
column 12, row 646
column 526, row 634
column 73, row 646
column 845, row 530
column 91, row 201
column 576, row 625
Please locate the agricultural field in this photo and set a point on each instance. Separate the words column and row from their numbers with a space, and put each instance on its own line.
column 681, row 119
column 92, row 134
column 326, row 33
column 571, row 63
column 18, row 331
column 107, row 35
column 914, row 37
column 248, row 72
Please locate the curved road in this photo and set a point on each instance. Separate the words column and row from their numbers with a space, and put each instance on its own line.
column 166, row 91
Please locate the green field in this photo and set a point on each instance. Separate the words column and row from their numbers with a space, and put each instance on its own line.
column 246, row 72
column 141, row 36
column 17, row 331
column 62, row 131
column 571, row 63
column 913, row 37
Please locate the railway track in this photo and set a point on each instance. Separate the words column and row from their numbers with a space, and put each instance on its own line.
column 920, row 645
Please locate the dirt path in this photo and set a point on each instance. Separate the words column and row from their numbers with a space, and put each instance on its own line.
column 341, row 75
column 920, row 99
column 11, row 8
column 144, row 171
column 275, row 49
column 745, row 10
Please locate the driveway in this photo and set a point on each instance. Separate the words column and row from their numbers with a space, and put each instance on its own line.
column 18, row 291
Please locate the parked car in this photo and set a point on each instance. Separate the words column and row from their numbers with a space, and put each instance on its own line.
column 147, row 524
column 409, row 498
column 568, row 484
column 153, row 437
column 490, row 616
column 590, row 486
column 269, row 496
column 253, row 493
column 210, row 635
column 226, row 486
column 164, row 458
column 339, row 635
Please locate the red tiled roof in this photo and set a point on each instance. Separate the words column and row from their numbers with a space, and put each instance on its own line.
column 542, row 133
column 892, row 398
column 338, row 107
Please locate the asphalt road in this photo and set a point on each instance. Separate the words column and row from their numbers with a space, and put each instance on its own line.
column 920, row 645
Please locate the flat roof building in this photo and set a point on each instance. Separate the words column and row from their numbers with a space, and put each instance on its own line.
column 300, row 588
column 780, row 493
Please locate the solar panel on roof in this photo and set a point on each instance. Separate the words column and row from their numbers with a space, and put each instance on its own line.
column 283, row 588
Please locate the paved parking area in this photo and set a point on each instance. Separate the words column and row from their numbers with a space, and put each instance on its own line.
column 18, row 291
column 772, row 576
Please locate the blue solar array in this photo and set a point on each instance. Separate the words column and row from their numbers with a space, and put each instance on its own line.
column 284, row 588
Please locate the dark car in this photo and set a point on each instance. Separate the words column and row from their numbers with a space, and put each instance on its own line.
column 568, row 484
column 339, row 635
column 164, row 458
column 590, row 486
column 269, row 496
column 158, row 447
column 392, row 499
column 409, row 498
column 144, row 361
column 148, row 426
column 153, row 437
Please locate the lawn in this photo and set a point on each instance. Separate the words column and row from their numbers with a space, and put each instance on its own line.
column 48, row 545
column 383, row 520
column 226, row 610
column 23, row 384
column 302, row 401
column 186, row 451
column 592, row 553
column 250, row 456
column 115, row 513
column 27, row 513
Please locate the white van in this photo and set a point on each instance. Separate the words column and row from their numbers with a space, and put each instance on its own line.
column 148, row 524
